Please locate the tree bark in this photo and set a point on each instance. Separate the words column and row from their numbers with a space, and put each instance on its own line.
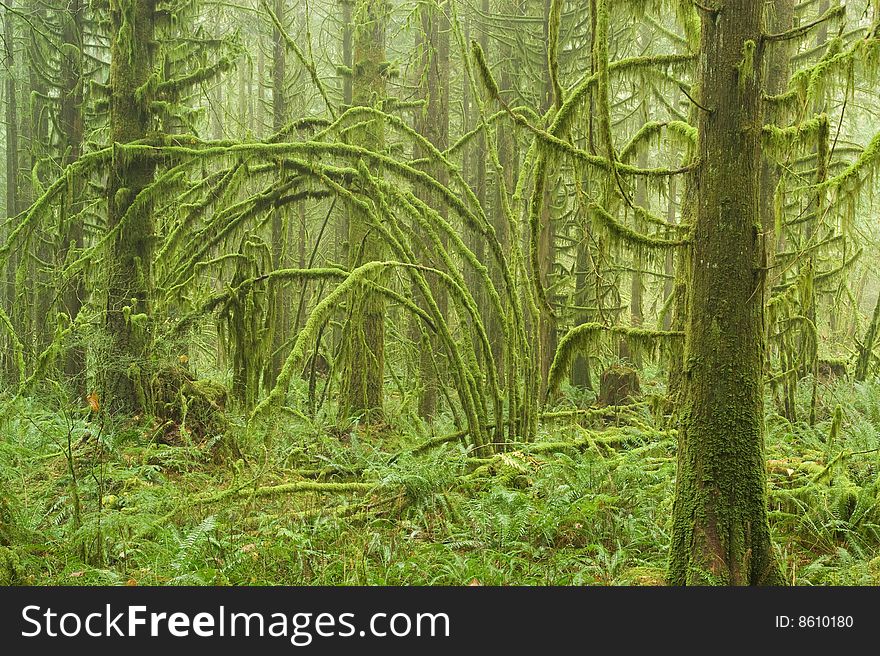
column 13, row 206
column 433, row 123
column 280, row 294
column 72, row 132
column 866, row 350
column 131, row 251
column 721, row 533
column 363, row 372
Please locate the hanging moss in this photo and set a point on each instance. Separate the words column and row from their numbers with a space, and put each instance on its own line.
column 837, row 11
column 780, row 139
column 683, row 131
column 587, row 336
column 858, row 171
column 617, row 231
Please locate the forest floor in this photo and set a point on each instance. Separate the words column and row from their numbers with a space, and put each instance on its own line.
column 589, row 503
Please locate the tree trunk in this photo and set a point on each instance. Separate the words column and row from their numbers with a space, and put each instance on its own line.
column 129, row 285
column 280, row 294
column 12, row 204
column 433, row 123
column 866, row 350
column 780, row 18
column 721, row 533
column 547, row 332
column 71, row 123
column 363, row 372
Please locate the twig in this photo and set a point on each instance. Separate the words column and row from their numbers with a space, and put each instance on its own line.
column 689, row 97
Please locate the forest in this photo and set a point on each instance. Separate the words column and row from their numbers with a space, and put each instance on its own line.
column 440, row 292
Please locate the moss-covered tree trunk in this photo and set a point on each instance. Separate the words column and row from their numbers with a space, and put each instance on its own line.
column 866, row 349
column 721, row 533
column 471, row 152
column 637, row 285
column 280, row 294
column 129, row 284
column 13, row 205
column 547, row 330
column 72, row 131
column 41, row 289
column 585, row 265
column 669, row 261
column 432, row 122
column 780, row 17
column 363, row 371
column 481, row 190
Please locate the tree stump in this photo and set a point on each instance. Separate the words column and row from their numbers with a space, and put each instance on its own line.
column 830, row 370
column 181, row 400
column 618, row 385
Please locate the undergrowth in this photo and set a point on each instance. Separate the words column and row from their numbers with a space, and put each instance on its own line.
column 127, row 509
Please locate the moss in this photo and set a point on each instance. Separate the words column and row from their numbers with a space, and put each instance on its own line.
column 554, row 20
column 683, row 131
column 746, row 66
column 587, row 336
column 10, row 567
column 780, row 139
column 617, row 231
column 486, row 76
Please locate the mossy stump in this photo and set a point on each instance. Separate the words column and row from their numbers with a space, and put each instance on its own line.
column 830, row 370
column 183, row 403
column 619, row 385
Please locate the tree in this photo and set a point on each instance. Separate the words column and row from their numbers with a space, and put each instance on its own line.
column 129, row 287
column 12, row 204
column 364, row 369
column 72, row 133
column 432, row 121
column 720, row 528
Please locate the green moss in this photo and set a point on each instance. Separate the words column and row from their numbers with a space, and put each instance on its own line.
column 10, row 567
column 587, row 336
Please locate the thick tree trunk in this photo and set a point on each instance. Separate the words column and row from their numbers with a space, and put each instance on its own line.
column 363, row 372
column 130, row 284
column 721, row 533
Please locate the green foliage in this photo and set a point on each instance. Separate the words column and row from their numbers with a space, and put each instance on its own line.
column 597, row 513
column 568, row 193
